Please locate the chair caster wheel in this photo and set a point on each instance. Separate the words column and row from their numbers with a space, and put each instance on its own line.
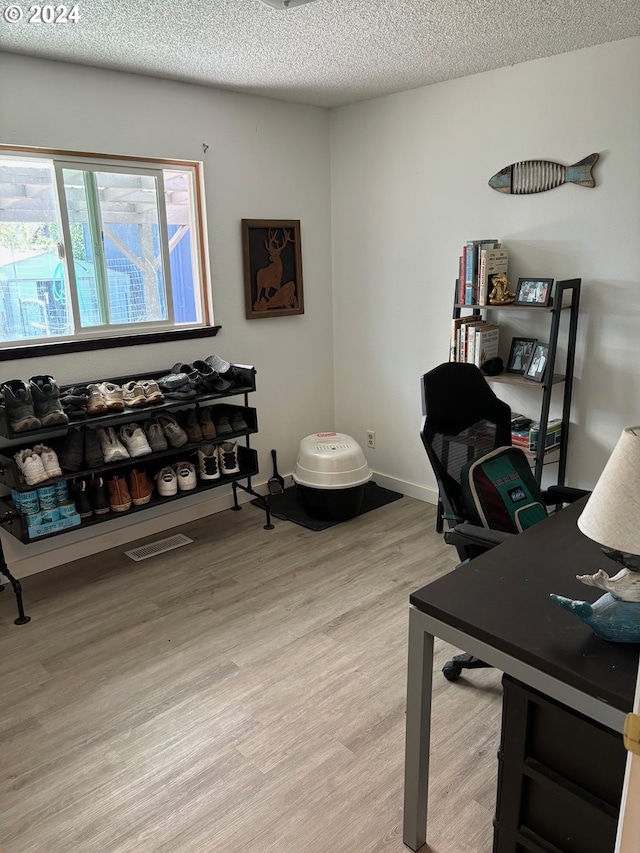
column 451, row 672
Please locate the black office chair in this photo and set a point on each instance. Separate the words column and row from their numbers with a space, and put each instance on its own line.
column 462, row 420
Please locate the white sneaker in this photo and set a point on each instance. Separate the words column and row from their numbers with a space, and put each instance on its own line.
column 208, row 468
column 112, row 449
column 185, row 475
column 134, row 440
column 31, row 466
column 49, row 460
column 166, row 482
column 228, row 457
column 133, row 395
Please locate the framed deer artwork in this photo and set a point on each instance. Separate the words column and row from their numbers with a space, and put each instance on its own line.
column 272, row 258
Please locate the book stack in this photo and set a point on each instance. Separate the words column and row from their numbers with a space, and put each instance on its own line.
column 528, row 438
column 480, row 259
column 553, row 437
column 473, row 340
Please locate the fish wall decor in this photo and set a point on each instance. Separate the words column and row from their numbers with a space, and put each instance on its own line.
column 537, row 176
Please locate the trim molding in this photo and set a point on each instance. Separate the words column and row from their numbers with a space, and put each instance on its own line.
column 60, row 347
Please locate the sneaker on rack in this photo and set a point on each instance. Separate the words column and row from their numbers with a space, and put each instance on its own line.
column 172, row 430
column 70, row 450
column 210, row 381
column 96, row 403
column 30, row 466
column 112, row 449
column 49, row 460
column 93, row 456
column 152, row 392
column 134, row 440
column 166, row 482
column 228, row 458
column 238, row 423
column 223, row 427
column 112, row 395
column 46, row 400
column 185, row 476
column 192, row 426
column 18, row 404
column 99, row 496
column 208, row 467
column 119, row 497
column 155, row 436
column 206, row 424
column 133, row 395
column 80, row 496
column 140, row 487
column 174, row 380
column 74, row 402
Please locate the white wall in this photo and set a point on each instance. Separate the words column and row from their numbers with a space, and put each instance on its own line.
column 266, row 159
column 408, row 178
column 409, row 187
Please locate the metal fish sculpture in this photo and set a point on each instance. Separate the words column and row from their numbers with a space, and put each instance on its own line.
column 537, row 176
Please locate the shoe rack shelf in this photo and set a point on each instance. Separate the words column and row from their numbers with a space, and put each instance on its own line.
column 129, row 415
column 10, row 474
column 220, row 403
column 247, row 458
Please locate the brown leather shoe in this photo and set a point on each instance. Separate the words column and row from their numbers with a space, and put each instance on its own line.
column 206, row 424
column 140, row 487
column 192, row 426
column 119, row 497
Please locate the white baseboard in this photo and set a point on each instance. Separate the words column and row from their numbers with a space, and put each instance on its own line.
column 412, row 490
column 24, row 560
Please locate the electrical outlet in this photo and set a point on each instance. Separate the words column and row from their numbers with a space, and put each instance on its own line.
column 371, row 439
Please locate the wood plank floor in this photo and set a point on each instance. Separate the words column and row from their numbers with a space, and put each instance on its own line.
column 243, row 692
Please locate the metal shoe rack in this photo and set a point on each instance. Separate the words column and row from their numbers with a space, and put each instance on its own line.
column 13, row 520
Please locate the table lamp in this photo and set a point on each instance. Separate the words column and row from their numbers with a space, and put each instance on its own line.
column 612, row 519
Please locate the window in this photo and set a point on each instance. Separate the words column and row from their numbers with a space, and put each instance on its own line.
column 93, row 247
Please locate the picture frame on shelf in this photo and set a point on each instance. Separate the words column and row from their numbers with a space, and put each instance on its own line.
column 272, row 262
column 520, row 354
column 536, row 369
column 534, row 292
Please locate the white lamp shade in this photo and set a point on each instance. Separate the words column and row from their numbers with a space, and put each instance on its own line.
column 612, row 514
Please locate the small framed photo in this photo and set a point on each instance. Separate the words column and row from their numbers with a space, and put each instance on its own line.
column 534, row 292
column 521, row 349
column 536, row 369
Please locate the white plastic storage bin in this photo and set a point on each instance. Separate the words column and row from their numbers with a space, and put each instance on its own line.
column 331, row 474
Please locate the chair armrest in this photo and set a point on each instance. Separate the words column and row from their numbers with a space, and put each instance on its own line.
column 563, row 495
column 464, row 535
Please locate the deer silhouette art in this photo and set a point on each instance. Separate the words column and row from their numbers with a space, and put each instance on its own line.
column 271, row 292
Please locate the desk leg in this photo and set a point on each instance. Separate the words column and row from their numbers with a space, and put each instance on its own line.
column 418, row 732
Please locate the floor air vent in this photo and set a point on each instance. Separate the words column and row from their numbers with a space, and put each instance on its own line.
column 159, row 547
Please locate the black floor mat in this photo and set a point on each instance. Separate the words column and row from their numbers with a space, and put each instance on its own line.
column 288, row 507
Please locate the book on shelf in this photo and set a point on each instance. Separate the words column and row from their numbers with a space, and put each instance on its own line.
column 485, row 344
column 461, row 277
column 528, row 438
column 553, row 437
column 457, row 325
column 492, row 262
column 520, row 438
column 470, row 253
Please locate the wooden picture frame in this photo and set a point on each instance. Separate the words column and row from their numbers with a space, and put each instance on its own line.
column 520, row 354
column 272, row 261
column 537, row 367
column 534, row 292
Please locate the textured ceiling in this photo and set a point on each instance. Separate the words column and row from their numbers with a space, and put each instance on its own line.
column 326, row 53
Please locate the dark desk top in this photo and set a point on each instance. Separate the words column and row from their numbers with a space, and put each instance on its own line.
column 502, row 598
